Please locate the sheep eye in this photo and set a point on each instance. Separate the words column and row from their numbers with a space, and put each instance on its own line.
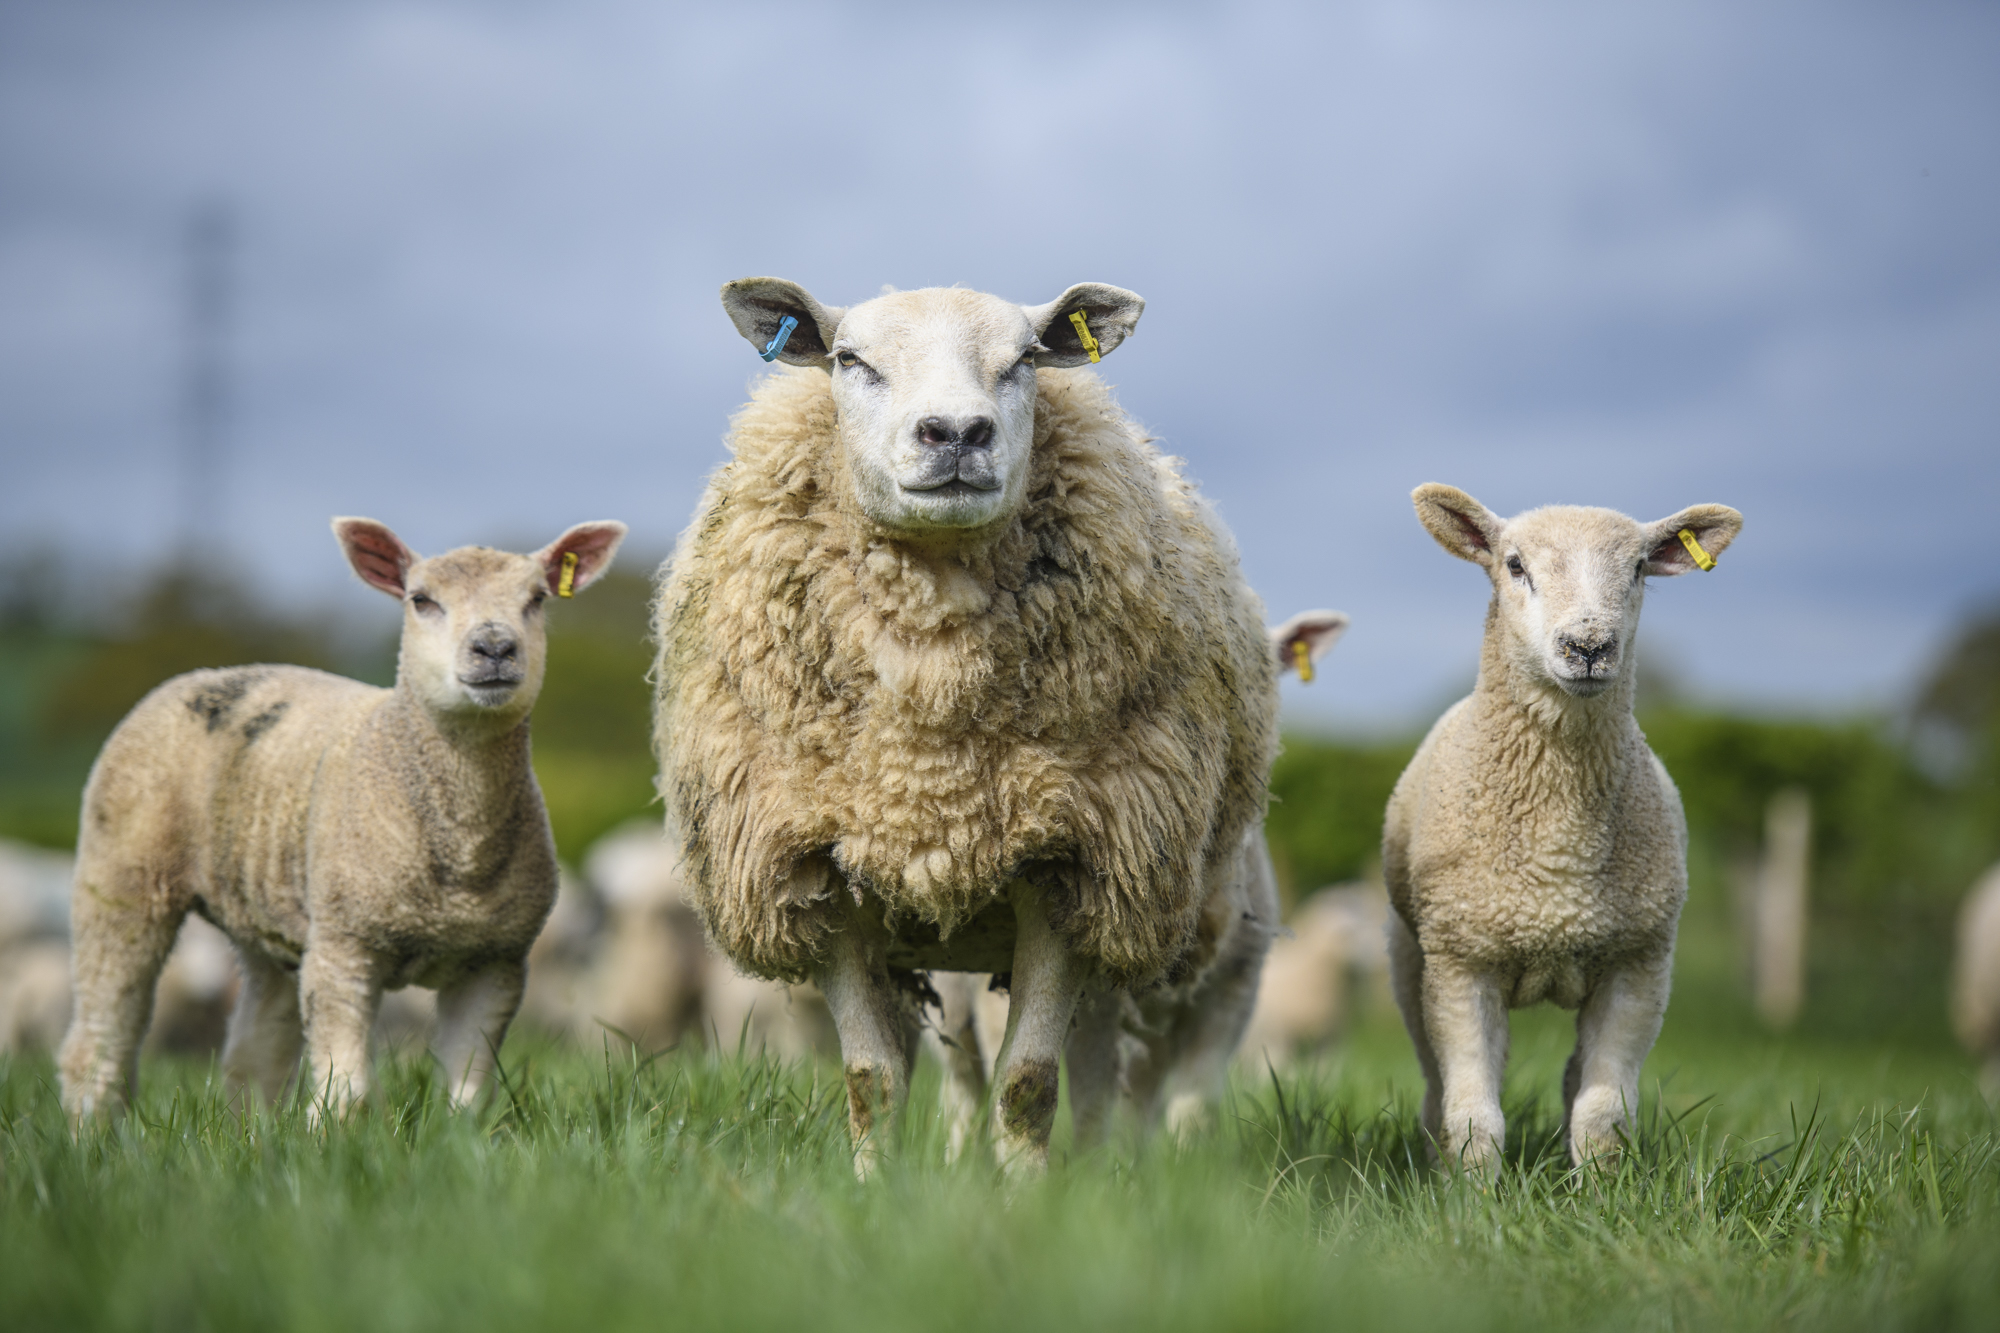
column 537, row 599
column 847, row 359
column 424, row 603
column 1514, row 567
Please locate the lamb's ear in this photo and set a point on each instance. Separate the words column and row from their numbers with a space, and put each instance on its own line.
column 1713, row 527
column 1315, row 631
column 1110, row 313
column 758, row 307
column 593, row 544
column 1460, row 523
column 377, row 554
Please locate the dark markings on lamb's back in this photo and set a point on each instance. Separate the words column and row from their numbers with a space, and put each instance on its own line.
column 216, row 700
column 263, row 722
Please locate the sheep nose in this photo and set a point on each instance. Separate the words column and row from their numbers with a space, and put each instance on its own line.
column 973, row 433
column 493, row 643
column 1587, row 652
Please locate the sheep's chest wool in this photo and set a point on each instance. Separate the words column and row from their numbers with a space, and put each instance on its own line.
column 1088, row 698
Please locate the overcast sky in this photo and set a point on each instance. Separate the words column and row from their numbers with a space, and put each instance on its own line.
column 1634, row 255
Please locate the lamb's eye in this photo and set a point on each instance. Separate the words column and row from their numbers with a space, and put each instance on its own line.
column 537, row 599
column 424, row 603
column 847, row 359
column 1514, row 567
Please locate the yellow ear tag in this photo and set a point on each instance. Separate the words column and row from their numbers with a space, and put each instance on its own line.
column 566, row 586
column 1304, row 658
column 1083, row 332
column 1701, row 557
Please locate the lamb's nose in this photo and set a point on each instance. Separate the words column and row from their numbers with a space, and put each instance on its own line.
column 494, row 643
column 973, row 433
column 1588, row 652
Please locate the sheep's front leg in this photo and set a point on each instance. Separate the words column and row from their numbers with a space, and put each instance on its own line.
column 1466, row 1021
column 872, row 1018
column 1615, row 1030
column 1406, row 977
column 1048, row 979
column 339, row 991
column 472, row 1019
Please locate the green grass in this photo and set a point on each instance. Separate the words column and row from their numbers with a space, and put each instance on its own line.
column 1772, row 1185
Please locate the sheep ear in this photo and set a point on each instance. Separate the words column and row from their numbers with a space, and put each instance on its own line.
column 758, row 306
column 594, row 545
column 1460, row 523
column 1110, row 313
column 377, row 554
column 1317, row 631
column 1713, row 527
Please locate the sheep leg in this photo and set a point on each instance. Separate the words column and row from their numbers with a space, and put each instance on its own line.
column 261, row 1049
column 1406, row 976
column 339, row 992
column 472, row 1019
column 1466, row 1019
column 956, row 1044
column 118, row 946
column 1615, row 1030
column 1092, row 1057
column 1048, row 980
column 1208, row 1030
column 871, row 1017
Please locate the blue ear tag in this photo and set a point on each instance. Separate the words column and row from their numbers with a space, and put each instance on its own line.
column 777, row 344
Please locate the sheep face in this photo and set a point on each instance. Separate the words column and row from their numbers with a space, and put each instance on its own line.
column 934, row 390
column 474, row 642
column 1568, row 581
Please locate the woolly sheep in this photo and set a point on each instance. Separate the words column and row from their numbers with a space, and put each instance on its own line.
column 1338, row 936
column 1975, row 983
column 1535, row 848
column 348, row 839
column 1166, row 1046
column 956, row 671
column 654, row 979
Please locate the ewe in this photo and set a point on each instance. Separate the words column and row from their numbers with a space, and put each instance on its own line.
column 348, row 839
column 1534, row 849
column 956, row 671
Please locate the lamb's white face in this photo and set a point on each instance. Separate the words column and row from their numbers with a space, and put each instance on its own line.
column 933, row 390
column 935, row 396
column 474, row 642
column 1568, row 581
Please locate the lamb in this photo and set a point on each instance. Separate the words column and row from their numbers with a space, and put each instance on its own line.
column 1178, row 1039
column 348, row 839
column 1975, row 983
column 1535, row 849
column 957, row 671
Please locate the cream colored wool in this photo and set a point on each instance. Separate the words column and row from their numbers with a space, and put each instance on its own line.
column 1535, row 849
column 1091, row 689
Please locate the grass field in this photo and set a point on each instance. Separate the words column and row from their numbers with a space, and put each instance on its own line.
column 1773, row 1185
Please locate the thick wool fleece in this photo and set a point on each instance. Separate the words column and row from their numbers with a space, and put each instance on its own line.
column 1088, row 699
